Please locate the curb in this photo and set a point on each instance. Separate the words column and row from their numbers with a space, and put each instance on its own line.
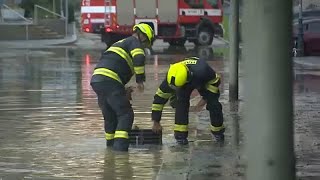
column 306, row 64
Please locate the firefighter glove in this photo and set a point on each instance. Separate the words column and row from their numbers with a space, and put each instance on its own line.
column 129, row 91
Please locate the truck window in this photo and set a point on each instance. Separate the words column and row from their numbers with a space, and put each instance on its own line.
column 314, row 27
column 213, row 3
column 194, row 3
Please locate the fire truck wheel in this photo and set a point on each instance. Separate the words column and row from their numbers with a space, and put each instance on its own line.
column 205, row 37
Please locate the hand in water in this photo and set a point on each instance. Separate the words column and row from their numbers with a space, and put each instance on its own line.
column 129, row 91
column 156, row 128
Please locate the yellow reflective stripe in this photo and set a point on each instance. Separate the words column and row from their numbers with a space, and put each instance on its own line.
column 215, row 80
column 157, row 107
column 109, row 136
column 139, row 69
column 123, row 54
column 190, row 61
column 212, row 89
column 143, row 29
column 120, row 41
column 193, row 57
column 121, row 134
column 181, row 128
column 136, row 52
column 162, row 94
column 108, row 73
column 216, row 129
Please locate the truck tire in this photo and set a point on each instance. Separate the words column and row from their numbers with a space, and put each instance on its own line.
column 177, row 42
column 204, row 37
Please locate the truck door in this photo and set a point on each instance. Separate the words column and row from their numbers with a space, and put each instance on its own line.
column 125, row 12
column 168, row 11
column 146, row 9
column 146, row 12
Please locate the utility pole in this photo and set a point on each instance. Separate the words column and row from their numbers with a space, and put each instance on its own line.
column 269, row 93
column 300, row 43
column 234, row 51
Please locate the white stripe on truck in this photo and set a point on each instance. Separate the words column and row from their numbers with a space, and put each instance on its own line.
column 200, row 12
column 98, row 9
column 97, row 20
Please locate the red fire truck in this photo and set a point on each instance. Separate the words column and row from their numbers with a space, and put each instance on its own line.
column 174, row 21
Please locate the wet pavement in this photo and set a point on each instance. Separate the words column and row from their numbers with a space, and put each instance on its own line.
column 51, row 126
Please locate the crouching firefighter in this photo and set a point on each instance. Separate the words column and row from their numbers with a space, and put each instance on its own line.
column 182, row 78
column 116, row 67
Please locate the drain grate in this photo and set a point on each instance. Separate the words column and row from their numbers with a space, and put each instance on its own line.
column 144, row 136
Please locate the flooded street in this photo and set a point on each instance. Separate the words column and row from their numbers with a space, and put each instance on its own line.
column 51, row 126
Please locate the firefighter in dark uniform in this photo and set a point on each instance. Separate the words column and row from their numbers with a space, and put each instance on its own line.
column 117, row 65
column 182, row 78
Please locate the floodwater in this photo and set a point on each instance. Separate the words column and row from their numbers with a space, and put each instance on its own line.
column 51, row 126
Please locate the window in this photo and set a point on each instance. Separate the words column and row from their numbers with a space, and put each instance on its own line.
column 213, row 3
column 314, row 27
column 194, row 3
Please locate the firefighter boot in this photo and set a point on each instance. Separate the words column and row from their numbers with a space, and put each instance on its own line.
column 181, row 137
column 121, row 144
column 218, row 135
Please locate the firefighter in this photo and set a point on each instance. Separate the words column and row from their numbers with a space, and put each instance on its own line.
column 181, row 79
column 116, row 67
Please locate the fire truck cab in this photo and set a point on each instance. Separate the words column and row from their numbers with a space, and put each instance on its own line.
column 174, row 21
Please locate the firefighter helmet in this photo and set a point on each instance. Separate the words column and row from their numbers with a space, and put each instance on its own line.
column 146, row 30
column 178, row 75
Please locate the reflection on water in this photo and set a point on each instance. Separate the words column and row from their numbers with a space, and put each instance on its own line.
column 307, row 83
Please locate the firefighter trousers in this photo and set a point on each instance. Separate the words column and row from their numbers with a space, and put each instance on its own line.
column 182, row 104
column 117, row 112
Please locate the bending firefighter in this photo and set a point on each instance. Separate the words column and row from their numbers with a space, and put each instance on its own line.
column 182, row 78
column 116, row 67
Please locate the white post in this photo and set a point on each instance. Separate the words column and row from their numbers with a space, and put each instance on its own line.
column 54, row 5
column 61, row 8
column 27, row 31
column 234, row 52
column 269, row 92
column 35, row 14
column 66, row 16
